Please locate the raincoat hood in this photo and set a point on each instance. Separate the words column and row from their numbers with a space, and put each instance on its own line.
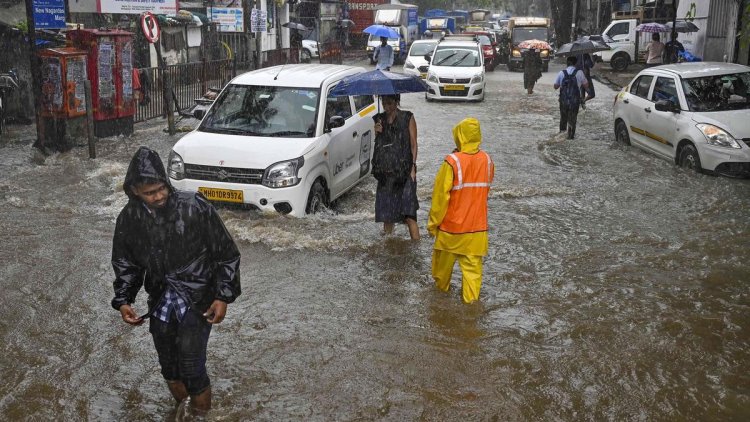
column 145, row 164
column 467, row 135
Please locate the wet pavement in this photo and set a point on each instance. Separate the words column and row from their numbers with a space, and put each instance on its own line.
column 616, row 288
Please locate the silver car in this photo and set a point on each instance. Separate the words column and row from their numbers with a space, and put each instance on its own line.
column 696, row 115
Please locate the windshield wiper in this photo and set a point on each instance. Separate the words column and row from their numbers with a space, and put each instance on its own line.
column 445, row 58
column 232, row 131
column 461, row 59
column 286, row 133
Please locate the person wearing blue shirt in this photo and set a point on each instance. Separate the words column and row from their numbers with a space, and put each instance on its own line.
column 383, row 54
column 569, row 114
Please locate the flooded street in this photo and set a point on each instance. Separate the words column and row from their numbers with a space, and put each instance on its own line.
column 616, row 288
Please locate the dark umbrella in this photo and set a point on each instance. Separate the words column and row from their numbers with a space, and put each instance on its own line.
column 294, row 25
column 683, row 26
column 582, row 46
column 378, row 82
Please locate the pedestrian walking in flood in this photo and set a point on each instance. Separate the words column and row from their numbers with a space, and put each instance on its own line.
column 532, row 69
column 175, row 245
column 394, row 165
column 383, row 55
column 570, row 81
column 458, row 216
column 584, row 63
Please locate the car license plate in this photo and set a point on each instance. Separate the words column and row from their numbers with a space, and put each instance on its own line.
column 454, row 87
column 224, row 195
column 423, row 75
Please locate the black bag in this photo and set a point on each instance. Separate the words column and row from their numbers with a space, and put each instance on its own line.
column 391, row 160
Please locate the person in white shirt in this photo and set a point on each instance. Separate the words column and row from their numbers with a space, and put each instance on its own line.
column 383, row 54
column 654, row 50
column 570, row 95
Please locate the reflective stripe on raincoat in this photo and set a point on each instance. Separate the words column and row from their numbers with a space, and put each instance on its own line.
column 445, row 204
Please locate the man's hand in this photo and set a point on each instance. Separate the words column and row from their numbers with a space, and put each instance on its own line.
column 128, row 315
column 216, row 312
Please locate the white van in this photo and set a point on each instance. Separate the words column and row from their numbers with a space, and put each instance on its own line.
column 275, row 140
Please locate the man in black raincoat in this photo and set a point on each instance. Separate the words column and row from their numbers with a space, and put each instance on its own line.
column 175, row 244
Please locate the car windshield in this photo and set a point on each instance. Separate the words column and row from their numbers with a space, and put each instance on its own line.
column 523, row 34
column 718, row 93
column 422, row 48
column 264, row 111
column 456, row 56
column 484, row 40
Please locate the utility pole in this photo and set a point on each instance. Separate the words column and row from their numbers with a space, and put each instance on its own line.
column 574, row 26
column 34, row 67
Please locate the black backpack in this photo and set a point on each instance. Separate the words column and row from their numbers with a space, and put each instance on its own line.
column 391, row 158
column 570, row 94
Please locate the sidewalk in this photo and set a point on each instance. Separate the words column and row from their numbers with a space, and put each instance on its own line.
column 604, row 73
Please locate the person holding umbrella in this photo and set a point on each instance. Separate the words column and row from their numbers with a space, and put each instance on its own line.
column 570, row 81
column 383, row 54
column 654, row 50
column 532, row 68
column 394, row 165
column 672, row 49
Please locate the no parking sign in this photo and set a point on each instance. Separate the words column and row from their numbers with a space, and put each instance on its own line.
column 150, row 27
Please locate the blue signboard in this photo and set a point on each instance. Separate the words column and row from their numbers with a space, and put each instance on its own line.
column 49, row 14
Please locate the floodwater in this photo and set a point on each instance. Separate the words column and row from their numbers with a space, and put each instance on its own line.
column 616, row 288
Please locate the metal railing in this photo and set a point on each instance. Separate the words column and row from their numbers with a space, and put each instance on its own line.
column 188, row 81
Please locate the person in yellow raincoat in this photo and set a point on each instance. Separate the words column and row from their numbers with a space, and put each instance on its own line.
column 458, row 216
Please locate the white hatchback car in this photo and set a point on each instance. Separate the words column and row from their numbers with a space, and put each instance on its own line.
column 456, row 70
column 415, row 63
column 275, row 139
column 693, row 114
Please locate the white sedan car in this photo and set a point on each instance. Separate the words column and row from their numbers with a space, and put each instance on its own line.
column 415, row 63
column 695, row 115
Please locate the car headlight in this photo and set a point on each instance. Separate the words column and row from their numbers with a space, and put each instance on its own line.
column 717, row 136
column 283, row 174
column 545, row 53
column 433, row 78
column 409, row 65
column 516, row 53
column 176, row 166
column 477, row 78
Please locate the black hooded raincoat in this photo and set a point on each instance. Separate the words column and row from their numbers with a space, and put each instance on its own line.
column 184, row 245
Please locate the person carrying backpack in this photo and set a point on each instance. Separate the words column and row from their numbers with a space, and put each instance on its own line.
column 570, row 81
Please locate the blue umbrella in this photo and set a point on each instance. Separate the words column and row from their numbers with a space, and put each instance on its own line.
column 381, row 31
column 378, row 82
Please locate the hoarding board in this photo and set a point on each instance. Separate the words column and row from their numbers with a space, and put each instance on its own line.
column 230, row 19
column 136, row 7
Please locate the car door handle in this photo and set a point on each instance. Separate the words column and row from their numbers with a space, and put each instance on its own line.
column 354, row 135
column 647, row 109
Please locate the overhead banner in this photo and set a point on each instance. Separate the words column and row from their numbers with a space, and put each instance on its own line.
column 136, row 7
column 49, row 14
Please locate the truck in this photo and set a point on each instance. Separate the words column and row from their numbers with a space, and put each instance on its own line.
column 436, row 27
column 524, row 28
column 361, row 12
column 461, row 17
column 404, row 20
column 622, row 39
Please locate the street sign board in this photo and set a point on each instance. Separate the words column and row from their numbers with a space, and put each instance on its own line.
column 49, row 14
column 150, row 27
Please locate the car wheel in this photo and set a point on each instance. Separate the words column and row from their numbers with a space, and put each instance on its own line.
column 305, row 56
column 317, row 200
column 689, row 158
column 619, row 62
column 621, row 133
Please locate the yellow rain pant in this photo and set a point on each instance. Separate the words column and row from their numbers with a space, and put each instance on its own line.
column 471, row 273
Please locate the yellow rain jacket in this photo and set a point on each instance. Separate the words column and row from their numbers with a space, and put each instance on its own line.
column 468, row 137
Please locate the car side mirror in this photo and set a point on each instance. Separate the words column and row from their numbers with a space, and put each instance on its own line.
column 666, row 105
column 198, row 114
column 335, row 121
column 428, row 57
